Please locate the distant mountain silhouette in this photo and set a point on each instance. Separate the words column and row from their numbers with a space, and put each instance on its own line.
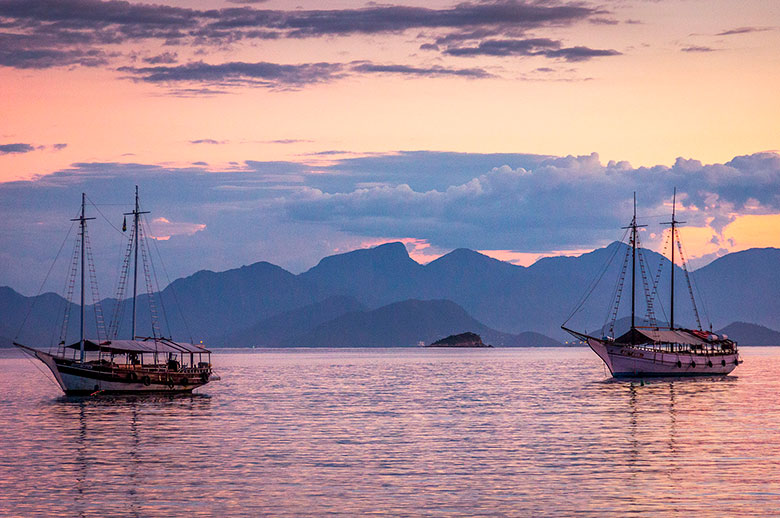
column 374, row 276
column 743, row 286
column 42, row 317
column 211, row 306
column 406, row 323
column 274, row 331
column 223, row 307
column 751, row 334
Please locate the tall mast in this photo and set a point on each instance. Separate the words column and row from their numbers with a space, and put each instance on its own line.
column 83, row 222
column 83, row 239
column 136, row 214
column 633, row 226
column 633, row 264
column 673, row 223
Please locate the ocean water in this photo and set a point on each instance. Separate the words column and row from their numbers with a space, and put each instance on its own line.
column 398, row 432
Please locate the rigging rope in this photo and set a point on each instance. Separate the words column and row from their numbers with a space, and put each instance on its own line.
column 589, row 291
column 688, row 280
column 40, row 289
column 656, row 281
column 178, row 304
column 156, row 282
column 46, row 374
column 618, row 292
column 119, row 304
column 649, row 312
column 104, row 216
column 70, row 283
column 149, row 288
column 97, row 307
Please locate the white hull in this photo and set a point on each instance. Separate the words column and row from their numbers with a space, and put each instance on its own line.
column 626, row 361
column 75, row 379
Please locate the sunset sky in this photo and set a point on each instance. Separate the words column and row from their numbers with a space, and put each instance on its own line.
column 287, row 131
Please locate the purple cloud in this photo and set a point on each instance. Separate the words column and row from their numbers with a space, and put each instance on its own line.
column 7, row 149
column 164, row 58
column 530, row 47
column 743, row 30
column 276, row 76
column 580, row 53
column 51, row 33
column 697, row 48
column 207, row 141
column 262, row 74
column 435, row 71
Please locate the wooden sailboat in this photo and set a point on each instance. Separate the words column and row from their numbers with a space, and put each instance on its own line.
column 137, row 365
column 662, row 351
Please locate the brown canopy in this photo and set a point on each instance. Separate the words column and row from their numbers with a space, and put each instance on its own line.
column 670, row 336
column 140, row 346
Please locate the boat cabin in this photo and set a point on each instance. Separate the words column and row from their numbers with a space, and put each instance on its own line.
column 677, row 340
column 148, row 354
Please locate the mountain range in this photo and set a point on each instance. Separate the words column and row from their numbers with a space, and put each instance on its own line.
column 380, row 296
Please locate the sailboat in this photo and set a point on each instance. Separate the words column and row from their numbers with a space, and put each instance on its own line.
column 108, row 365
column 653, row 350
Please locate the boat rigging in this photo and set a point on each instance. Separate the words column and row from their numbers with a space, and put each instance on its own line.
column 653, row 350
column 106, row 364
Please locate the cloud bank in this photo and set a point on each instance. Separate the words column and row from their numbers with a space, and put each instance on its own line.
column 292, row 214
column 275, row 76
column 573, row 202
column 93, row 33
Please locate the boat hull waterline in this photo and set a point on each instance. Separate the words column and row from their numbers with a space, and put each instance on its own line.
column 78, row 379
column 625, row 361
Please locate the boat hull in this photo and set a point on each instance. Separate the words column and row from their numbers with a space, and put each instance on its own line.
column 79, row 379
column 625, row 361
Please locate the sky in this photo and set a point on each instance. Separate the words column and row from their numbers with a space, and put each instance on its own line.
column 288, row 131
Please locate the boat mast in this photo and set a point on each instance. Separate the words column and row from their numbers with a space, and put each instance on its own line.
column 136, row 214
column 673, row 223
column 83, row 222
column 633, row 264
column 671, row 302
column 633, row 226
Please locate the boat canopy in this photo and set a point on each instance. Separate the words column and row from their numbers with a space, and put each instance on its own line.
column 140, row 346
column 671, row 336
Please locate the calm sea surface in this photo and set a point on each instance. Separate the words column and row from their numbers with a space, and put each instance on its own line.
column 398, row 432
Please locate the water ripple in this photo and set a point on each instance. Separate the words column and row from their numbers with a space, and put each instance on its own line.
column 398, row 432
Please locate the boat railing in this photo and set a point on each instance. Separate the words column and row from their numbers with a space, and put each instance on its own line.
column 151, row 368
column 673, row 347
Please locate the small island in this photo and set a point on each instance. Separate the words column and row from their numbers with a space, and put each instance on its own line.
column 461, row 340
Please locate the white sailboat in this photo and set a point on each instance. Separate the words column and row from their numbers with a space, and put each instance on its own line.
column 661, row 351
column 137, row 365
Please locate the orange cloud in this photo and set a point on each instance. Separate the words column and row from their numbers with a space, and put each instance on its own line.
column 419, row 250
column 163, row 229
column 743, row 232
column 528, row 258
